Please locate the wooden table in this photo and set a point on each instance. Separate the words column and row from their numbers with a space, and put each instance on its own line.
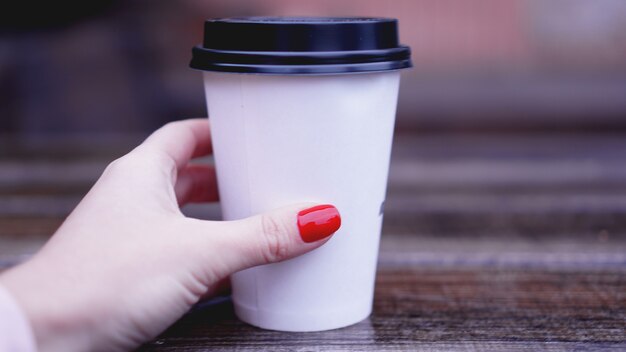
column 490, row 242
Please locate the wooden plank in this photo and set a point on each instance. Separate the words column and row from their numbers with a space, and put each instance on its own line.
column 422, row 251
column 442, row 309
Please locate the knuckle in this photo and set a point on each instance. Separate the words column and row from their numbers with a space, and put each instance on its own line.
column 276, row 238
column 143, row 158
column 173, row 124
column 170, row 124
column 116, row 165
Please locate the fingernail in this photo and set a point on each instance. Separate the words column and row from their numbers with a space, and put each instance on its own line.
column 318, row 222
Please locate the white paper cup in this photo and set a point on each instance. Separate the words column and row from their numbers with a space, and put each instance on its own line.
column 283, row 139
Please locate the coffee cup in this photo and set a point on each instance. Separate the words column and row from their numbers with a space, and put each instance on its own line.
column 303, row 110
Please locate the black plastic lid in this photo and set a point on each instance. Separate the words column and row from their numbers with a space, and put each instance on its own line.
column 300, row 45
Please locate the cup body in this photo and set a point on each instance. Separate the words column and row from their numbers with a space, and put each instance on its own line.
column 284, row 139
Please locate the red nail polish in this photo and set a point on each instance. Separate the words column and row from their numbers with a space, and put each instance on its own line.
column 318, row 222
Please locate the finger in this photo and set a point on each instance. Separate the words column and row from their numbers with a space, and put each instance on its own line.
column 270, row 237
column 181, row 140
column 196, row 183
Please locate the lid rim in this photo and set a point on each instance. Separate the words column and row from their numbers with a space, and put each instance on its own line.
column 270, row 20
column 327, row 69
column 201, row 54
column 300, row 45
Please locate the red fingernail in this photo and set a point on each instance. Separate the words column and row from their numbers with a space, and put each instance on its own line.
column 318, row 222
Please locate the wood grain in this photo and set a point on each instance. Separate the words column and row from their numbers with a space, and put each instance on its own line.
column 443, row 309
column 490, row 243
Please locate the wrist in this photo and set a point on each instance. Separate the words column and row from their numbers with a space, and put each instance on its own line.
column 54, row 322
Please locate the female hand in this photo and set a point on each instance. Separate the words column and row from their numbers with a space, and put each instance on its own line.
column 127, row 263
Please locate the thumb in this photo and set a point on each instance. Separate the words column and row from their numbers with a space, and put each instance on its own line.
column 274, row 236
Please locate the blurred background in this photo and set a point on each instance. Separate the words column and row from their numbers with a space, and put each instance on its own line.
column 510, row 126
column 109, row 67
